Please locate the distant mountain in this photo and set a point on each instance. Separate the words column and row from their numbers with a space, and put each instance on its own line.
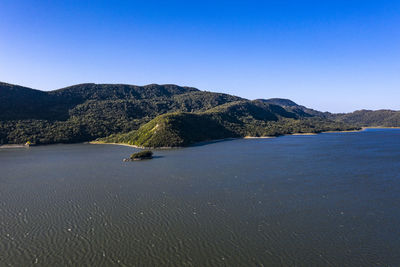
column 294, row 107
column 280, row 102
column 362, row 118
column 158, row 115
column 383, row 118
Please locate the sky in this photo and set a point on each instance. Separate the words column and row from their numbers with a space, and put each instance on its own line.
column 330, row 55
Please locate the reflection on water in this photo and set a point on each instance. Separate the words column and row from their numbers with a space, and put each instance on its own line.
column 324, row 200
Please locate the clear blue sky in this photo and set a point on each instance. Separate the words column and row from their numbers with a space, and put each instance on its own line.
column 331, row 55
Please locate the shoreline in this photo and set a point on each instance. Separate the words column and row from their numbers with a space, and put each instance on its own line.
column 118, row 144
column 128, row 145
column 224, row 139
column 257, row 137
column 302, row 134
column 381, row 127
column 349, row 131
column 10, row 146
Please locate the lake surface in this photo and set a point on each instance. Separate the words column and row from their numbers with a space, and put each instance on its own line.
column 325, row 200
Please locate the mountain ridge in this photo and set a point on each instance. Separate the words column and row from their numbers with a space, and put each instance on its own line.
column 231, row 120
column 89, row 111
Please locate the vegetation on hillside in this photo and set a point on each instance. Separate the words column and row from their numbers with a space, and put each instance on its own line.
column 294, row 107
column 89, row 111
column 159, row 115
column 383, row 118
column 237, row 119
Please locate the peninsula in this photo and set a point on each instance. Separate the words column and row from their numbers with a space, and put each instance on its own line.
column 160, row 116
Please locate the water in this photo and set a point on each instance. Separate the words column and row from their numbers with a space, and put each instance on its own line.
column 323, row 200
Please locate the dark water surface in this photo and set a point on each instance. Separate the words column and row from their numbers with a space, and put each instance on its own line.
column 324, row 200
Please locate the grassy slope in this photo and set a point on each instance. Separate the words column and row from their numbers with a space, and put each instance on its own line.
column 237, row 119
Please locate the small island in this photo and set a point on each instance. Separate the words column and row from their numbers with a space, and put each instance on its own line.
column 142, row 155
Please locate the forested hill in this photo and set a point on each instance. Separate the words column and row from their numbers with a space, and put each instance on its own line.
column 383, row 118
column 235, row 119
column 17, row 102
column 362, row 118
column 294, row 107
column 91, row 91
column 86, row 112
